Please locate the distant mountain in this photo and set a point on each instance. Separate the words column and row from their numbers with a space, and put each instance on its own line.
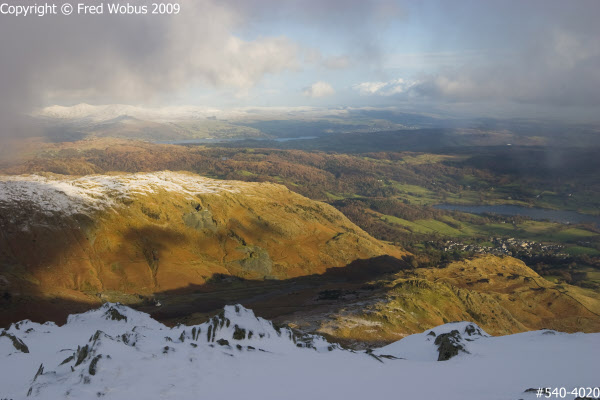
column 198, row 122
column 370, row 129
column 115, row 352
column 124, row 121
column 107, row 112
column 98, row 113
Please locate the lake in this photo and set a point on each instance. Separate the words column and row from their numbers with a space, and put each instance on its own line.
column 564, row 217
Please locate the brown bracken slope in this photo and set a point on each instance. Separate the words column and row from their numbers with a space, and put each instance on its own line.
column 69, row 237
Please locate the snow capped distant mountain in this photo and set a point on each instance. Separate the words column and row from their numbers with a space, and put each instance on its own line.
column 108, row 112
column 115, row 352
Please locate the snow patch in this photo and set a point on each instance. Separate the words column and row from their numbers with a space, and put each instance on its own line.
column 73, row 195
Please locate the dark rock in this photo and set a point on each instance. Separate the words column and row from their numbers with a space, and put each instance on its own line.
column 94, row 364
column 257, row 260
column 68, row 359
column 200, row 220
column 473, row 330
column 113, row 314
column 82, row 353
column 449, row 345
column 17, row 343
column 239, row 333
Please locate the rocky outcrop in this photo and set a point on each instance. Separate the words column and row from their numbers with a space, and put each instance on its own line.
column 500, row 294
column 16, row 342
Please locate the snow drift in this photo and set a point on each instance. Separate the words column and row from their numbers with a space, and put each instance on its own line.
column 115, row 352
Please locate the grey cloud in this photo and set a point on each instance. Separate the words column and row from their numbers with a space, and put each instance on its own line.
column 337, row 62
column 548, row 75
column 545, row 53
column 336, row 15
column 129, row 58
column 356, row 26
column 342, row 61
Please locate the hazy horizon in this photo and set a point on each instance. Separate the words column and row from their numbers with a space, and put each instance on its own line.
column 493, row 59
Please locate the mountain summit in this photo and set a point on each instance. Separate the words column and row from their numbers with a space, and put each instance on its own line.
column 115, row 352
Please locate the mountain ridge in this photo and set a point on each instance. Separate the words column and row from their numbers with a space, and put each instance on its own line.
column 102, row 352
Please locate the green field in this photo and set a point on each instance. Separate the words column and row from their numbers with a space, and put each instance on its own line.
column 541, row 231
column 580, row 250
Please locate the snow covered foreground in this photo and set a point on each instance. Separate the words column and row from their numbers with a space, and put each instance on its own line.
column 115, row 352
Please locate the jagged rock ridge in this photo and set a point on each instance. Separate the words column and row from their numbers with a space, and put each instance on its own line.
column 115, row 352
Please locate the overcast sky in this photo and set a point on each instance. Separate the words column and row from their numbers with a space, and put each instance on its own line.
column 504, row 54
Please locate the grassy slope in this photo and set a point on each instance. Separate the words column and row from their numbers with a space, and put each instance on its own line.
column 501, row 294
column 164, row 241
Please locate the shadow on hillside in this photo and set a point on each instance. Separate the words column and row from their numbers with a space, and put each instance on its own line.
column 38, row 250
column 40, row 309
column 269, row 298
column 272, row 298
column 42, row 254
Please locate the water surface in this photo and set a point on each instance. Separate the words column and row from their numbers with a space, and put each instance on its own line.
column 539, row 214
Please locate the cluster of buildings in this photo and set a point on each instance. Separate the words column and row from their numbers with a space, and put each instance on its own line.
column 505, row 246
